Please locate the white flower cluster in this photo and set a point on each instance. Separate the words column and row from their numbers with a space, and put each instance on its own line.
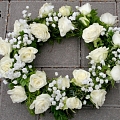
column 58, row 96
column 25, row 14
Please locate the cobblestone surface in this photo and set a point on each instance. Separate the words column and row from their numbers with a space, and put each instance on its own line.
column 57, row 59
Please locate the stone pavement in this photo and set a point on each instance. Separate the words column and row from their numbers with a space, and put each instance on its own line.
column 63, row 58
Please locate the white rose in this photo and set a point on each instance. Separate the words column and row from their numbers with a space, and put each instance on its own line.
column 64, row 26
column 84, row 20
column 65, row 10
column 40, row 31
column 5, row 48
column 27, row 54
column 73, row 103
column 85, row 9
column 116, row 38
column 63, row 82
column 108, row 19
column 99, row 54
column 115, row 72
column 79, row 76
column 98, row 97
column 41, row 104
column 5, row 64
column 45, row 10
column 17, row 94
column 91, row 33
column 37, row 81
column 20, row 26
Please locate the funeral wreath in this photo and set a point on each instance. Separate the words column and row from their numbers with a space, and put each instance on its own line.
column 61, row 94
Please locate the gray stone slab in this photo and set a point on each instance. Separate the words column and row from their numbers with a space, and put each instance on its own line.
column 66, row 54
column 3, row 17
column 101, row 8
column 99, row 0
column 91, row 114
column 113, row 96
column 16, row 9
column 118, row 12
column 10, row 111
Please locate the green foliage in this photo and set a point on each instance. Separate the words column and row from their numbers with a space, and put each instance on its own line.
column 60, row 114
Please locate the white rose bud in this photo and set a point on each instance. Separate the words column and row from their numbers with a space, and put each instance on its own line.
column 98, row 97
column 99, row 54
column 108, row 19
column 5, row 48
column 41, row 104
column 79, row 76
column 27, row 54
column 64, row 25
column 91, row 33
column 85, row 9
column 37, row 81
column 5, row 64
column 45, row 10
column 116, row 38
column 63, row 82
column 84, row 20
column 65, row 10
column 40, row 31
column 17, row 94
column 115, row 72
column 73, row 103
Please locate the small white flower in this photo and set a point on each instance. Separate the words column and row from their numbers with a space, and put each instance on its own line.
column 118, row 50
column 51, row 85
column 90, row 89
column 47, row 23
column 56, row 73
column 93, row 73
column 83, row 88
column 101, row 81
column 5, row 82
column 24, row 76
column 104, row 75
column 90, row 69
column 91, row 84
column 30, row 66
column 106, row 81
column 87, row 97
column 24, row 15
column 27, row 7
column 84, row 102
column 54, row 14
column 29, row 14
column 59, row 15
column 14, row 82
column 97, row 87
column 99, row 67
column 63, row 94
column 24, row 11
column 114, row 59
column 49, row 89
column 53, row 102
column 54, row 88
column 61, row 105
column 55, row 18
column 54, row 82
column 50, row 19
column 57, row 108
column 53, row 25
